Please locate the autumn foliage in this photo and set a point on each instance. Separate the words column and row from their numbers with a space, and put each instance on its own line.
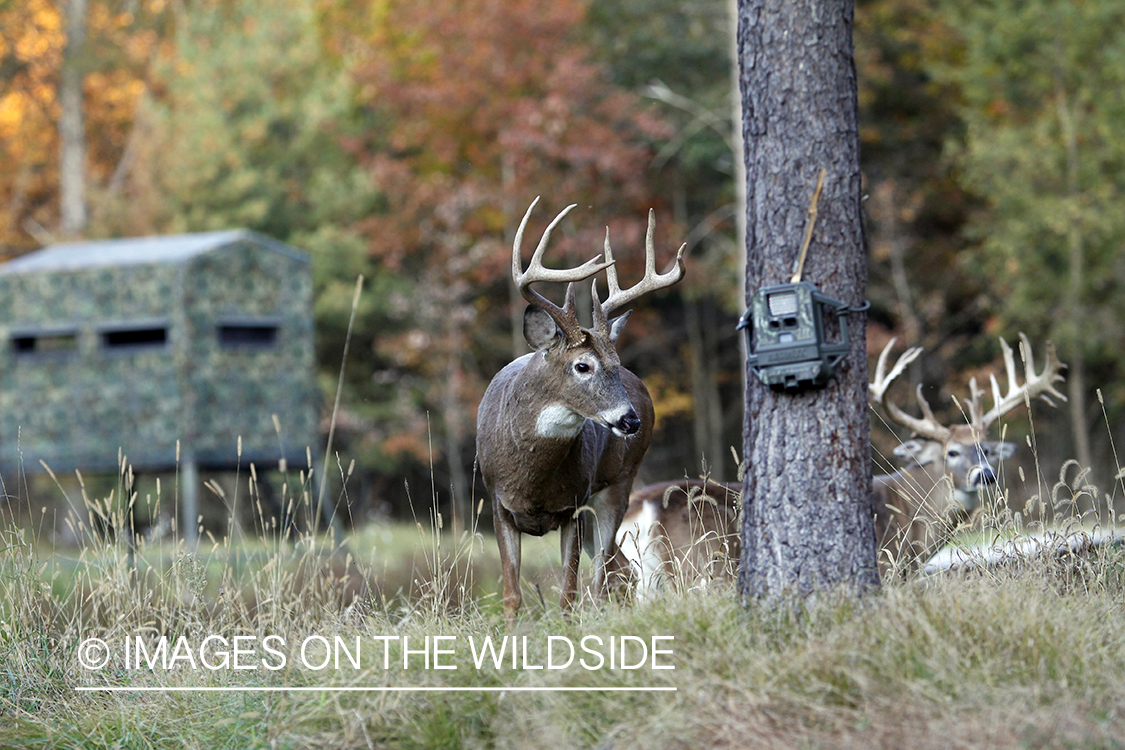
column 403, row 141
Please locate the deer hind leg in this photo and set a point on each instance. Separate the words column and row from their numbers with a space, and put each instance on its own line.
column 508, row 541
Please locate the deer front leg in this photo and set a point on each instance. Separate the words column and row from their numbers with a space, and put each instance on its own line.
column 508, row 541
column 607, row 508
column 571, row 556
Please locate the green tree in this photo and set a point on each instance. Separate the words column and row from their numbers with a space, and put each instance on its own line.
column 1042, row 87
column 247, row 123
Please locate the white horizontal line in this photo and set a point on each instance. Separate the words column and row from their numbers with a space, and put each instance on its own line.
column 355, row 689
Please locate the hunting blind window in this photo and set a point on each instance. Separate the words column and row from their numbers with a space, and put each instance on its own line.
column 133, row 337
column 57, row 343
column 241, row 334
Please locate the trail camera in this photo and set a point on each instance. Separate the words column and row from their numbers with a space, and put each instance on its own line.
column 785, row 336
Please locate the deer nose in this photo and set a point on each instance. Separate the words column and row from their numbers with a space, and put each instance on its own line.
column 630, row 423
column 981, row 475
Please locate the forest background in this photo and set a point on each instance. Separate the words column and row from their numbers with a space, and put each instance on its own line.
column 403, row 141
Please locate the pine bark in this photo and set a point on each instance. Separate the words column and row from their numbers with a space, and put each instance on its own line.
column 807, row 517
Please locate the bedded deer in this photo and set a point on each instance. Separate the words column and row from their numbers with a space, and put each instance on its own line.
column 683, row 532
column 917, row 508
column 561, row 431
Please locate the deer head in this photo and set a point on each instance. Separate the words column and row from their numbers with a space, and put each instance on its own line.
column 947, row 464
column 582, row 362
column 968, row 456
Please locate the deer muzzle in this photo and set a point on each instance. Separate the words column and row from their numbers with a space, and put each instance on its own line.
column 629, row 424
column 981, row 475
column 623, row 421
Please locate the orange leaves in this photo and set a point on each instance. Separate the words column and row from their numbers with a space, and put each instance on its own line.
column 32, row 40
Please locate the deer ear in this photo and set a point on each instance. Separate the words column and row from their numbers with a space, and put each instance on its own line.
column 617, row 325
column 539, row 329
column 1003, row 450
column 914, row 450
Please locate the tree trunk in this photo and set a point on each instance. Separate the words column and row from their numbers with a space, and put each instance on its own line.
column 707, row 412
column 1076, row 282
column 453, row 416
column 72, row 130
column 807, row 517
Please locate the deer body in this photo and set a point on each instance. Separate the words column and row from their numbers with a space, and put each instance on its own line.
column 580, row 454
column 682, row 532
column 561, row 431
column 918, row 507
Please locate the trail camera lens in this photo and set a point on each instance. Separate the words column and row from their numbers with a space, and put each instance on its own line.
column 783, row 304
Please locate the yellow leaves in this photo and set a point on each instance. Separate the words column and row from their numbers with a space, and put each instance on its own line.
column 12, row 109
column 22, row 119
column 667, row 399
column 33, row 41
column 38, row 28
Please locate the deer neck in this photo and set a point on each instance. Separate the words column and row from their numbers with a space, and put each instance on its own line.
column 545, row 420
column 557, row 421
column 544, row 438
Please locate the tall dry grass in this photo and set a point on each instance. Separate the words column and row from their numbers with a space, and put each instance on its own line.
column 1011, row 656
column 1027, row 656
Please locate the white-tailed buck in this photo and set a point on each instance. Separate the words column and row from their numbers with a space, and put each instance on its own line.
column 917, row 507
column 684, row 533
column 561, row 431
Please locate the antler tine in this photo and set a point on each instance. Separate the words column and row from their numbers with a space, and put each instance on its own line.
column 877, row 391
column 928, row 426
column 1040, row 385
column 564, row 316
column 650, row 283
column 975, row 408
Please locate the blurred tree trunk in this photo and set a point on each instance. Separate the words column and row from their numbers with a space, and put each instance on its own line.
column 1076, row 283
column 736, row 139
column 703, row 351
column 72, row 131
column 455, row 419
column 807, row 520
column 707, row 414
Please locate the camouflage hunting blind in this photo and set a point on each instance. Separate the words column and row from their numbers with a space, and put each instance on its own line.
column 136, row 344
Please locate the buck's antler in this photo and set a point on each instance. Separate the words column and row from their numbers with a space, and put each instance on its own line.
column 565, row 317
column 928, row 426
column 1035, row 386
column 650, row 283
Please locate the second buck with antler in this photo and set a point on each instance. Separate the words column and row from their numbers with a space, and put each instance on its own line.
column 561, row 431
column 917, row 507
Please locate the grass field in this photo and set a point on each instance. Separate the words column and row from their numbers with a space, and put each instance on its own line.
column 1032, row 657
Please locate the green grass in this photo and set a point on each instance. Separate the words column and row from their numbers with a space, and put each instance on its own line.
column 1030, row 658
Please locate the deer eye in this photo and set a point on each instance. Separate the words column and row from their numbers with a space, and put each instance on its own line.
column 581, row 367
column 953, row 453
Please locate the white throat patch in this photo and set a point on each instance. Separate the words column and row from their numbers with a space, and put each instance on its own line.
column 967, row 500
column 557, row 421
